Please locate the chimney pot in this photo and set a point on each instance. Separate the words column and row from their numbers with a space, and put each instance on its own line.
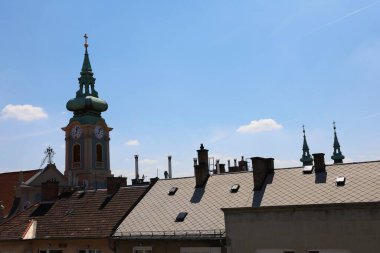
column 201, row 170
column 136, row 167
column 170, row 166
column 243, row 165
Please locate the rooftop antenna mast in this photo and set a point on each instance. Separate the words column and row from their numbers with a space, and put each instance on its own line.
column 49, row 153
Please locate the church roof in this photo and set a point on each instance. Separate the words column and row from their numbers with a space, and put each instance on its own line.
column 8, row 182
column 155, row 215
column 80, row 214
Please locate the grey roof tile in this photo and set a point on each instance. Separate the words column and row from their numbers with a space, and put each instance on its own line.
column 157, row 211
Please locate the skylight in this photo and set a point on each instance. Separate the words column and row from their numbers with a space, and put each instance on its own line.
column 340, row 181
column 307, row 169
column 181, row 217
column 173, row 190
column 235, row 188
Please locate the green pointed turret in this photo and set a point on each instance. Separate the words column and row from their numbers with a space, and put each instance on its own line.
column 87, row 106
column 337, row 155
column 306, row 158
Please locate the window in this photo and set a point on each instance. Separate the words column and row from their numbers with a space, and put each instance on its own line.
column 181, row 217
column 307, row 169
column 235, row 188
column 173, row 190
column 340, row 181
column 140, row 249
column 99, row 153
column 76, row 153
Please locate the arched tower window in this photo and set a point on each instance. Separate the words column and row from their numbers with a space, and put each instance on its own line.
column 99, row 153
column 76, row 153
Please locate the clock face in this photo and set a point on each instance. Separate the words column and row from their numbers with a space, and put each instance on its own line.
column 99, row 132
column 76, row 132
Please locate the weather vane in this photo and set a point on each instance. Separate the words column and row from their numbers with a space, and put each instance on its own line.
column 85, row 40
column 334, row 125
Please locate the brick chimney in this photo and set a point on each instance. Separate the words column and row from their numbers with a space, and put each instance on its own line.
column 201, row 170
column 49, row 190
column 222, row 168
column 114, row 183
column 261, row 168
column 243, row 165
column 319, row 162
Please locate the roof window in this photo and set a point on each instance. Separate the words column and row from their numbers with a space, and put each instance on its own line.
column 181, row 217
column 340, row 181
column 307, row 169
column 235, row 188
column 173, row 190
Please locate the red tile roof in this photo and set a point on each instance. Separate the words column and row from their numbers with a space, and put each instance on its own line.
column 8, row 181
column 90, row 214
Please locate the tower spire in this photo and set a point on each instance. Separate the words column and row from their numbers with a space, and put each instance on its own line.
column 87, row 106
column 337, row 155
column 306, row 158
column 86, row 79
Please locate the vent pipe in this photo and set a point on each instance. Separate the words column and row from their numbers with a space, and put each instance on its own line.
column 170, row 166
column 136, row 167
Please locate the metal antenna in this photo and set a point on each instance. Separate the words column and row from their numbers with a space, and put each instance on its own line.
column 49, row 153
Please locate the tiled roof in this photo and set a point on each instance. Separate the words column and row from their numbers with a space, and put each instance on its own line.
column 8, row 181
column 155, row 215
column 90, row 214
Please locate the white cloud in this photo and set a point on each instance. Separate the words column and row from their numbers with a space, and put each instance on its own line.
column 133, row 143
column 23, row 112
column 260, row 125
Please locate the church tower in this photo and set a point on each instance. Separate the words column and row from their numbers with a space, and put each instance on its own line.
column 87, row 134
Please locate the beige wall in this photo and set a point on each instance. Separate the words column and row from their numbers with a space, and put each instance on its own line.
column 164, row 246
column 344, row 228
column 68, row 246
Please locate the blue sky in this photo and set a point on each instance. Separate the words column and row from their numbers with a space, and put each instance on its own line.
column 179, row 73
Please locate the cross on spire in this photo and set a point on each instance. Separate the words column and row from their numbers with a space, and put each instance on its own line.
column 85, row 40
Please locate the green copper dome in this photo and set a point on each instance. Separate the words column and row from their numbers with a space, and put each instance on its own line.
column 86, row 106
